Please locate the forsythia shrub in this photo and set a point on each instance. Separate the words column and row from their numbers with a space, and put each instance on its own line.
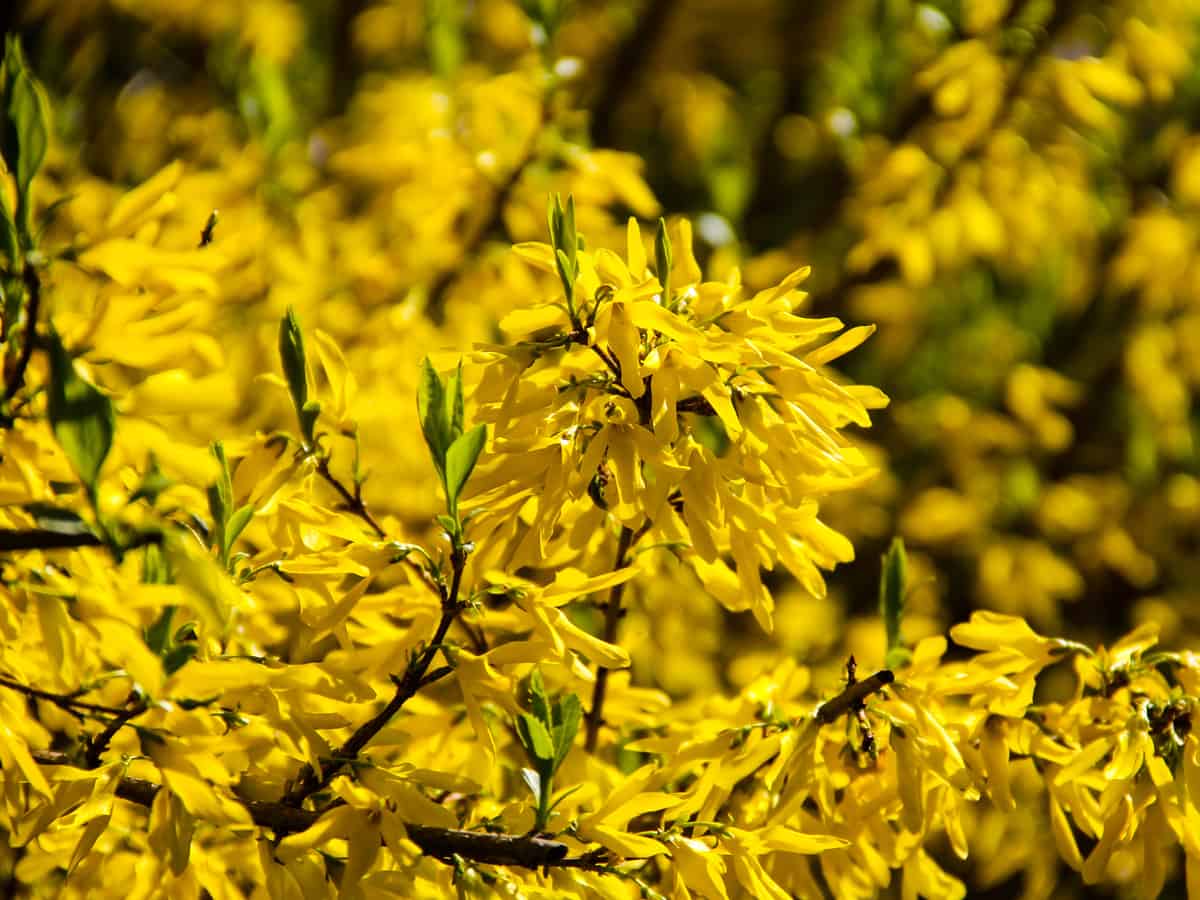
column 349, row 550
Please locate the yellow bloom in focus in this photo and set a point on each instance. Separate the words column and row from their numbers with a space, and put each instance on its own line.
column 696, row 417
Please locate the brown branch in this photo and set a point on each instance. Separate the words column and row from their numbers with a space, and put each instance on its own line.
column 44, row 539
column 612, row 618
column 852, row 697
column 354, row 501
column 443, row 844
column 62, row 701
column 310, row 781
column 33, row 302
column 100, row 742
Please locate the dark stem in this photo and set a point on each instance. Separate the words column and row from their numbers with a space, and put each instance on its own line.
column 62, row 701
column 43, row 539
column 854, row 694
column 354, row 501
column 612, row 618
column 100, row 742
column 33, row 302
column 310, row 781
column 443, row 844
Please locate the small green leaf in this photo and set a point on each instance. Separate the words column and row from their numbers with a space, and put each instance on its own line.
column 892, row 587
column 158, row 635
column 178, row 657
column 554, row 214
column 219, row 513
column 566, row 275
column 455, row 404
column 153, row 483
column 295, row 365
column 534, row 781
column 460, row 461
column 224, row 479
column 308, row 420
column 23, row 139
column 570, row 238
column 535, row 739
column 539, row 702
column 236, row 525
column 28, row 116
column 431, row 410
column 82, row 417
column 568, row 714
column 154, row 566
column 663, row 259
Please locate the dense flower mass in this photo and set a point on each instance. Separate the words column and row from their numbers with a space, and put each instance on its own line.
column 367, row 532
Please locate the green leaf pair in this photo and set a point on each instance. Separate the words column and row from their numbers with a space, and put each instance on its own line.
column 565, row 241
column 228, row 523
column 547, row 736
column 23, row 142
column 295, row 370
column 454, row 451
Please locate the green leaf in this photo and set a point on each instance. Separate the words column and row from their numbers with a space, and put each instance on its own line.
column 28, row 117
column 23, row 140
column 460, row 461
column 308, row 420
column 82, row 417
column 153, row 483
column 178, row 657
column 431, row 410
column 236, row 525
column 158, row 635
column 566, row 275
column 455, row 404
column 568, row 712
column 539, row 701
column 295, row 366
column 534, row 781
column 535, row 739
column 892, row 586
column 224, row 479
column 663, row 259
column 570, row 238
column 154, row 566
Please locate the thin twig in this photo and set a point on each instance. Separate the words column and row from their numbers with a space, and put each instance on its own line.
column 354, row 501
column 310, row 781
column 62, row 701
column 33, row 302
column 100, row 742
column 853, row 695
column 44, row 539
column 612, row 618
